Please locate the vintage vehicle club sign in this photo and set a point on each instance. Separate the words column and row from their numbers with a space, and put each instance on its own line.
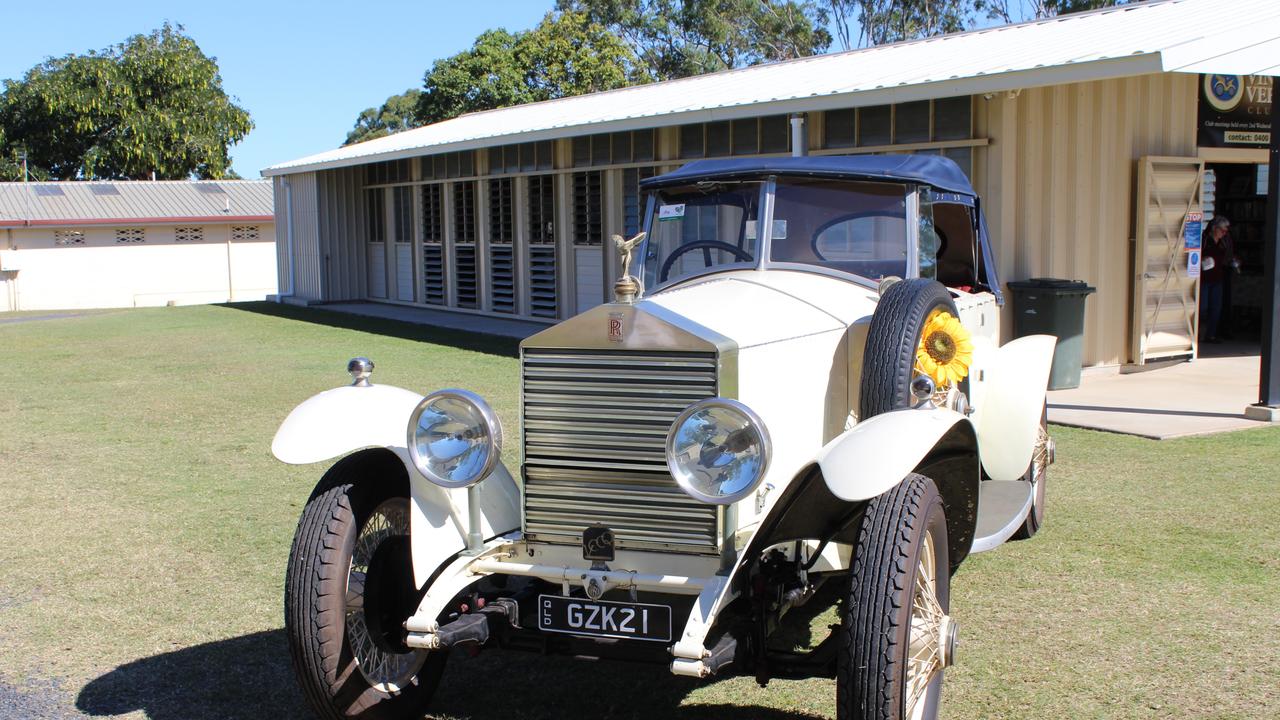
column 1235, row 110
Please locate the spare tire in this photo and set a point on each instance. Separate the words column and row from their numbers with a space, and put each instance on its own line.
column 889, row 360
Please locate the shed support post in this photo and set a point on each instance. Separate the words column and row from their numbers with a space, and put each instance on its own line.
column 1268, row 407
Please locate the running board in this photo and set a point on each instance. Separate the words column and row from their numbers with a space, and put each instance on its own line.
column 1002, row 507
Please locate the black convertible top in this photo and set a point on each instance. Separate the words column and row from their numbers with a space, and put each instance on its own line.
column 933, row 170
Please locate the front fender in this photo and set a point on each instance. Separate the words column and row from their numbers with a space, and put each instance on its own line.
column 336, row 422
column 877, row 453
column 346, row 419
column 826, row 497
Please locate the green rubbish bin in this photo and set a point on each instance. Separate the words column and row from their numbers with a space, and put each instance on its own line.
column 1050, row 306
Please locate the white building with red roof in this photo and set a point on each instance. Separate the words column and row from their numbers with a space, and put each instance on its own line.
column 135, row 243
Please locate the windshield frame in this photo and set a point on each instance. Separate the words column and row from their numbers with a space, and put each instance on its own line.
column 763, row 261
column 764, row 203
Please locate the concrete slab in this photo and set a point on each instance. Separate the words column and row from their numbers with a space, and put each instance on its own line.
column 505, row 327
column 1208, row 395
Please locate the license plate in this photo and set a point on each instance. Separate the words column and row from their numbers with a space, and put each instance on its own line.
column 602, row 618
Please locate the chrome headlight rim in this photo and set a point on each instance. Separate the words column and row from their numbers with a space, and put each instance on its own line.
column 754, row 421
column 491, row 423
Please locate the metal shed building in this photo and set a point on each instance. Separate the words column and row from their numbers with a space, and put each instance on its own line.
column 1081, row 133
column 71, row 245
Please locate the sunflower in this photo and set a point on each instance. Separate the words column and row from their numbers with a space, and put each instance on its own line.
column 945, row 350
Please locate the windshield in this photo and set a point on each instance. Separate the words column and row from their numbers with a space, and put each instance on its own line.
column 853, row 227
column 697, row 228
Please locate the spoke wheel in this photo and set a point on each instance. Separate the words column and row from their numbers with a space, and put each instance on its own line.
column 348, row 590
column 1037, row 474
column 380, row 595
column 896, row 635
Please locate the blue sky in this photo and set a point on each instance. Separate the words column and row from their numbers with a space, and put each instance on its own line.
column 303, row 70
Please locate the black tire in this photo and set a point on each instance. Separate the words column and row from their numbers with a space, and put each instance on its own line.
column 319, row 623
column 1037, row 474
column 889, row 361
column 871, row 671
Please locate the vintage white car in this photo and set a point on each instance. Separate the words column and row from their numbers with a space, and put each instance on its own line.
column 800, row 397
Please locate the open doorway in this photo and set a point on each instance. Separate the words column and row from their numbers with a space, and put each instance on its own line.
column 1238, row 191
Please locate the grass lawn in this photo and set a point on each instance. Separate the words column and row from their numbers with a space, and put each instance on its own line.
column 142, row 559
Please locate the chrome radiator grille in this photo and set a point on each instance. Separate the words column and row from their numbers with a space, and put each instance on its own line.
column 595, row 426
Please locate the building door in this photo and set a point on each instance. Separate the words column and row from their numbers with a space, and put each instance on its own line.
column 376, row 242
column 434, row 290
column 401, row 271
column 588, row 238
column 541, row 261
column 503, row 285
column 1166, row 295
column 466, row 272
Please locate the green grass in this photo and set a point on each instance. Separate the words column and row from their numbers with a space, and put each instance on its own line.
column 148, row 528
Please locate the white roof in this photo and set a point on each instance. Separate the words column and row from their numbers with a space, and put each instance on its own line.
column 1240, row 38
column 135, row 202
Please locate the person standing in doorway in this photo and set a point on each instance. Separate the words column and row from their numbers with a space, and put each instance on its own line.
column 1216, row 260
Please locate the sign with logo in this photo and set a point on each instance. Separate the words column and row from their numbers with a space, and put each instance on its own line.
column 1235, row 110
column 1191, row 230
column 1193, row 264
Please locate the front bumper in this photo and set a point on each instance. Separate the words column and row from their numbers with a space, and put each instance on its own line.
column 667, row 574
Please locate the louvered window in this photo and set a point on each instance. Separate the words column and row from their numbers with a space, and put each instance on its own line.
column 464, row 244
column 376, row 216
column 587, row 208
column 542, row 246
column 433, row 245
column 502, row 266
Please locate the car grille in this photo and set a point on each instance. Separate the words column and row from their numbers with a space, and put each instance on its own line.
column 595, row 427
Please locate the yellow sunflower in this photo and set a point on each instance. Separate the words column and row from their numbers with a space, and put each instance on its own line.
column 946, row 350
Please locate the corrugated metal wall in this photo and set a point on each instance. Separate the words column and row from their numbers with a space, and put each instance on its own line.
column 342, row 233
column 296, row 208
column 1058, row 186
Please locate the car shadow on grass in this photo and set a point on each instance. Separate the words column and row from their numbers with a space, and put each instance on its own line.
column 450, row 337
column 250, row 677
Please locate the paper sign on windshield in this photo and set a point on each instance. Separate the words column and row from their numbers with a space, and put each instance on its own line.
column 671, row 212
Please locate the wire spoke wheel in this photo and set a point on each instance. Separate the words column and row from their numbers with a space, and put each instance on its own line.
column 384, row 662
column 896, row 637
column 349, row 588
column 930, row 626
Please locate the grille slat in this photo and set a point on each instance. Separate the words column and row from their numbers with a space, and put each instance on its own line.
column 595, row 424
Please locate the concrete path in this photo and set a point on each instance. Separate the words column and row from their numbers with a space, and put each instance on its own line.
column 441, row 318
column 1206, row 396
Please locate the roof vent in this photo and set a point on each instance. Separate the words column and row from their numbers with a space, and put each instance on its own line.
column 104, row 189
column 49, row 191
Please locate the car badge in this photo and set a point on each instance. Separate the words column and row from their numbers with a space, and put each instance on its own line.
column 615, row 327
column 597, row 543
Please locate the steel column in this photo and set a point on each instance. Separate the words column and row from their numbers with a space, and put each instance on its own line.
column 1269, row 382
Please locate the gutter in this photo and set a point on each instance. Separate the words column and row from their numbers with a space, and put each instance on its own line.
column 210, row 219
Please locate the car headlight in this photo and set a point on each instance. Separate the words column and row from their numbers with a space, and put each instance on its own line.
column 718, row 451
column 454, row 438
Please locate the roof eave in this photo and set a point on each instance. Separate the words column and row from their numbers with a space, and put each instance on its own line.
column 1104, row 69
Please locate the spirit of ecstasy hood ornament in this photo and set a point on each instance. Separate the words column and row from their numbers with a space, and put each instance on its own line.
column 628, row 287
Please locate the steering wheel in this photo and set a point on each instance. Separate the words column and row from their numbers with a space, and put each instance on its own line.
column 706, row 246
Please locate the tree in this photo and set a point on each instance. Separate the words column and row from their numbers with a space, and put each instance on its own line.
column 153, row 104
column 399, row 112
column 679, row 38
column 566, row 54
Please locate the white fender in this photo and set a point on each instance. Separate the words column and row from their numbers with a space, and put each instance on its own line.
column 337, row 421
column 345, row 419
column 876, row 454
column 1007, row 411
